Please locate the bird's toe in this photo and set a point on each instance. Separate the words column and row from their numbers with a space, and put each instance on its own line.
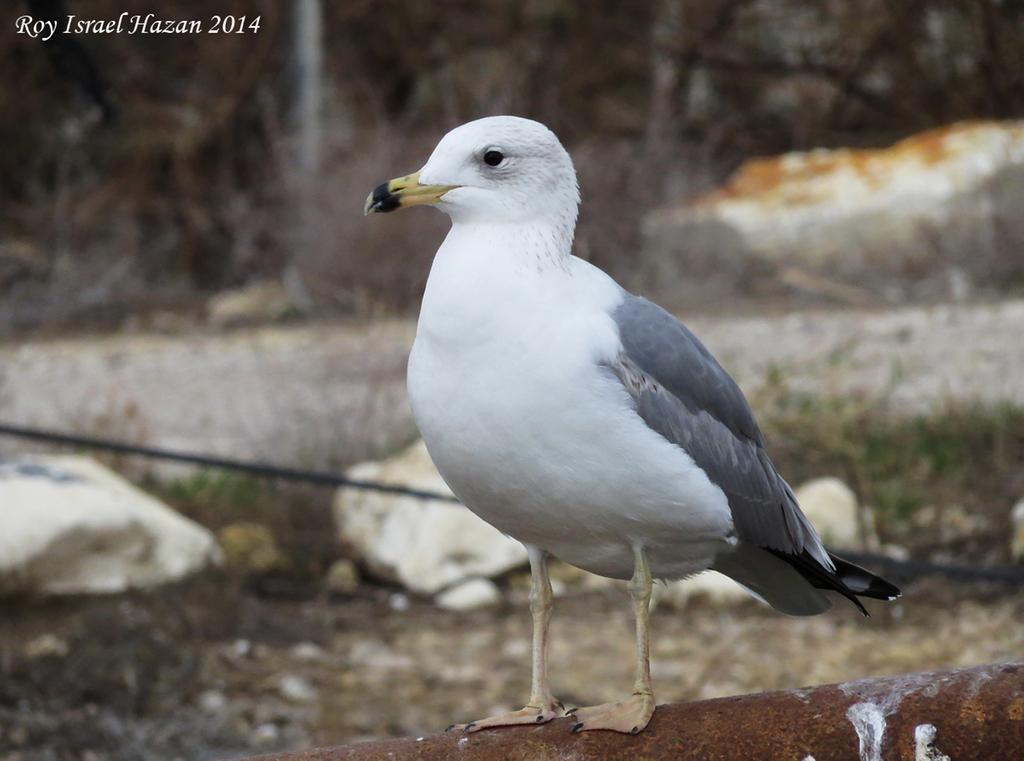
column 531, row 714
column 628, row 717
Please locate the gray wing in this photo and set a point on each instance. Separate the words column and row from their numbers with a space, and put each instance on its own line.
column 682, row 392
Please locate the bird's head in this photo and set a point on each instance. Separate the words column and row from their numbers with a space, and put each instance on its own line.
column 492, row 170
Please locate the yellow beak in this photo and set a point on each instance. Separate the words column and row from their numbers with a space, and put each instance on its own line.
column 403, row 191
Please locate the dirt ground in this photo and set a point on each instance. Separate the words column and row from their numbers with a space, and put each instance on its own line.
column 210, row 669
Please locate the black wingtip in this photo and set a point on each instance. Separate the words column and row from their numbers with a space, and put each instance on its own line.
column 849, row 580
column 860, row 606
column 864, row 583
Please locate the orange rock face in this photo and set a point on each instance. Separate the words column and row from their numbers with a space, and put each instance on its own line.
column 959, row 152
column 936, row 210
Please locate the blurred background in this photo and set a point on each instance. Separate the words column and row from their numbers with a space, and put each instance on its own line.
column 829, row 193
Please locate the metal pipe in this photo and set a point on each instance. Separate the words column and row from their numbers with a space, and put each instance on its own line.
column 974, row 714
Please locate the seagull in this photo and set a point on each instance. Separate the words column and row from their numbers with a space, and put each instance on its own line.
column 584, row 421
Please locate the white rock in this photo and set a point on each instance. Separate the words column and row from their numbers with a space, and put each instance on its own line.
column 374, row 654
column 1017, row 542
column 212, row 701
column 308, row 651
column 894, row 551
column 68, row 525
column 241, row 648
column 832, row 509
column 469, row 595
column 426, row 545
column 710, row 586
column 296, row 689
column 45, row 646
column 266, row 733
column 931, row 205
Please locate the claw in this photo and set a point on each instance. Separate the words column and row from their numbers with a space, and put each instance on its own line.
column 449, row 728
column 536, row 712
column 576, row 728
column 628, row 717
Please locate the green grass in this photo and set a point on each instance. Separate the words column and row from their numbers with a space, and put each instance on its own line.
column 968, row 456
column 232, row 495
column 299, row 517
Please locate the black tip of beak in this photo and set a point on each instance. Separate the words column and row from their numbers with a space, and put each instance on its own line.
column 383, row 200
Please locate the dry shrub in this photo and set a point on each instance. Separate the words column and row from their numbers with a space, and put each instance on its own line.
column 145, row 176
column 356, row 264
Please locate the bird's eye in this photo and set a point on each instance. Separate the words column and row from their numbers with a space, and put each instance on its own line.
column 493, row 158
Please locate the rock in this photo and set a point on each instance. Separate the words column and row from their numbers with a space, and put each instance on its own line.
column 376, row 655
column 260, row 302
column 710, row 586
column 250, row 548
column 342, row 577
column 295, row 689
column 212, row 701
column 266, row 733
column 832, row 509
column 308, row 651
column 895, row 551
column 1017, row 542
column 426, row 545
column 928, row 214
column 46, row 646
column 241, row 648
column 398, row 602
column 469, row 595
column 71, row 526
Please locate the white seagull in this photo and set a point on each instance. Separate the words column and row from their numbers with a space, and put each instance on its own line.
column 586, row 422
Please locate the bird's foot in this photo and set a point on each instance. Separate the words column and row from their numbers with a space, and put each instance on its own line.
column 539, row 712
column 628, row 716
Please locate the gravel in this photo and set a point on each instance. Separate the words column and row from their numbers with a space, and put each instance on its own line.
column 131, row 688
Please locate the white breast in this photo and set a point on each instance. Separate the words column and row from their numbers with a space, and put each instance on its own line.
column 535, row 436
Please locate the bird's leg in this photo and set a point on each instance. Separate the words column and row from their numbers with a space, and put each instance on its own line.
column 542, row 602
column 631, row 715
column 543, row 707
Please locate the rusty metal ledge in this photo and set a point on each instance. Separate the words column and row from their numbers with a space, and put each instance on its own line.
column 974, row 714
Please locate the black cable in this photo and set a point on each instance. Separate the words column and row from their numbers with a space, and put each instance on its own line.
column 911, row 569
column 317, row 477
column 907, row 569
